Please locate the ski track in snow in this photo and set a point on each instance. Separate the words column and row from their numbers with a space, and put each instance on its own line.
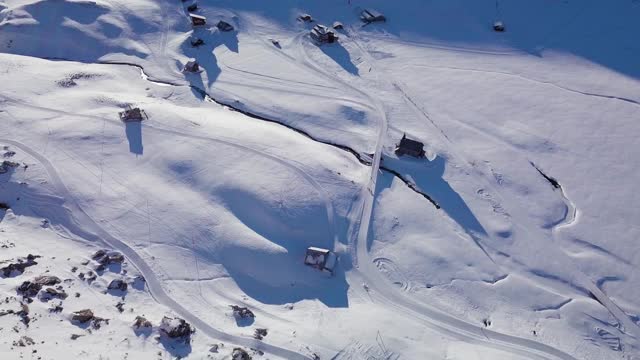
column 97, row 233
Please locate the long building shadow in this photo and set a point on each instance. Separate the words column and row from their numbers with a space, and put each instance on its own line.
column 428, row 177
column 341, row 56
column 133, row 130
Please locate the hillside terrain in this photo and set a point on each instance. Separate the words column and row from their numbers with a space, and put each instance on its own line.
column 184, row 233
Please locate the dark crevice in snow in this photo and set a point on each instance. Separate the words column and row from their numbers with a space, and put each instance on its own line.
column 550, row 179
column 208, row 97
column 411, row 185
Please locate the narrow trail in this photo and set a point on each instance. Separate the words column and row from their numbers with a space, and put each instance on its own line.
column 83, row 225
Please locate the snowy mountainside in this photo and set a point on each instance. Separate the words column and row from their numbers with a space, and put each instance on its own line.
column 512, row 238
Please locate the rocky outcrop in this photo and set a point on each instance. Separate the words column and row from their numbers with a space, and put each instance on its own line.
column 17, row 267
column 51, row 293
column 86, row 316
column 240, row 354
column 259, row 333
column 242, row 312
column 47, row 280
column 7, row 165
column 117, row 284
column 29, row 289
column 82, row 316
column 142, row 323
column 176, row 328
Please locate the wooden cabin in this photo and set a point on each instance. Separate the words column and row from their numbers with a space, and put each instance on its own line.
column 132, row 114
column 410, row 147
column 370, row 15
column 197, row 20
column 191, row 66
column 224, row 26
column 321, row 259
column 323, row 34
column 305, row 18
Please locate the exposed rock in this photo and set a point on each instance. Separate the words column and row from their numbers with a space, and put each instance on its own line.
column 109, row 258
column 51, row 293
column 240, row 354
column 47, row 280
column 242, row 312
column 85, row 316
column 75, row 336
column 24, row 341
column 176, row 328
column 29, row 289
column 7, row 165
column 99, row 254
column 91, row 276
column 120, row 306
column 82, row 316
column 141, row 322
column 19, row 265
column 97, row 322
column 260, row 333
column 117, row 284
column 57, row 308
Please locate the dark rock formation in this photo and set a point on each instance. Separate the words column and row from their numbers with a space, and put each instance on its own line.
column 82, row 316
column 176, row 328
column 240, row 354
column 29, row 289
column 18, row 267
column 47, row 280
column 117, row 284
column 242, row 312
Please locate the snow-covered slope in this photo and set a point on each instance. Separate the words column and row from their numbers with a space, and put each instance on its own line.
column 513, row 238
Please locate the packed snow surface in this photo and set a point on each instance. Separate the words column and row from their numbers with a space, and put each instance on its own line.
column 514, row 237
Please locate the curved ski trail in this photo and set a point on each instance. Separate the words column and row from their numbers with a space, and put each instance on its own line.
column 81, row 221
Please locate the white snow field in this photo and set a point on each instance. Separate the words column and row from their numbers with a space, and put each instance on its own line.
column 513, row 238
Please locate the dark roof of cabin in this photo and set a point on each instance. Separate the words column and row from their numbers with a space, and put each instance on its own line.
column 409, row 144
